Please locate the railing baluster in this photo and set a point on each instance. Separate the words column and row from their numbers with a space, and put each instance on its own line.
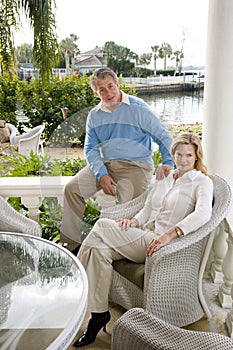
column 32, row 204
column 224, row 294
column 219, row 249
column 229, row 318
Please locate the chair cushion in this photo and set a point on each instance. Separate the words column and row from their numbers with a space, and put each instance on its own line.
column 132, row 271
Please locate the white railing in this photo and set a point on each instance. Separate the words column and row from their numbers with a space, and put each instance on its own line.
column 163, row 80
column 32, row 190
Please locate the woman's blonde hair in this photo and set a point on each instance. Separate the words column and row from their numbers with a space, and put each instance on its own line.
column 187, row 138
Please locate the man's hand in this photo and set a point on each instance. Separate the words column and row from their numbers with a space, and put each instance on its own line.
column 162, row 171
column 107, row 183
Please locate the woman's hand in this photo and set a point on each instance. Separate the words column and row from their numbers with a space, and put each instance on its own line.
column 157, row 243
column 125, row 224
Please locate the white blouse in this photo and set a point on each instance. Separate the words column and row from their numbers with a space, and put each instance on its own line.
column 185, row 202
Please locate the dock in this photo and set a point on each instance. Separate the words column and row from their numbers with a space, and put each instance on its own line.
column 193, row 86
column 153, row 88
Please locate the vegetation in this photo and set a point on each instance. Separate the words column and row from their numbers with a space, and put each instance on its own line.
column 179, row 128
column 122, row 59
column 42, row 20
column 46, row 53
column 68, row 51
column 50, row 210
column 42, row 104
column 16, row 164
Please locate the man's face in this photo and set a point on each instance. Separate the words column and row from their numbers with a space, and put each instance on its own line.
column 108, row 91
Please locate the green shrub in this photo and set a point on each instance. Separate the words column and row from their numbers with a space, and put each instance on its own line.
column 42, row 104
column 50, row 218
column 9, row 91
column 37, row 165
column 176, row 129
column 17, row 164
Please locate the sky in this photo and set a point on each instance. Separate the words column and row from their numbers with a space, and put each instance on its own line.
column 136, row 26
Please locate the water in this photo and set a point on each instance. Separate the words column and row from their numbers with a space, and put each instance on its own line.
column 177, row 107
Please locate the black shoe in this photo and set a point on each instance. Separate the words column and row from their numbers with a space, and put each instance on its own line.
column 76, row 250
column 72, row 247
column 97, row 321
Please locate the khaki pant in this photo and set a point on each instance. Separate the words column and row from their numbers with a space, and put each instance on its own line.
column 106, row 243
column 132, row 178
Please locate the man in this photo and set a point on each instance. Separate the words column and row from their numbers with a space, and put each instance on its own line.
column 118, row 149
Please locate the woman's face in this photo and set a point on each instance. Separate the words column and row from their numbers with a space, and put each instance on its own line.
column 184, row 158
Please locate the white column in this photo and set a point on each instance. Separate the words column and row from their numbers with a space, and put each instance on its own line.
column 218, row 94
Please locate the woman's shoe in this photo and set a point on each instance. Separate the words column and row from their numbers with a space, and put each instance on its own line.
column 97, row 321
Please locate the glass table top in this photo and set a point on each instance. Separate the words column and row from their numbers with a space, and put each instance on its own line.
column 43, row 294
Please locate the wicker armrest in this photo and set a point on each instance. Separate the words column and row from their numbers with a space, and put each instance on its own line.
column 140, row 330
column 13, row 221
column 126, row 210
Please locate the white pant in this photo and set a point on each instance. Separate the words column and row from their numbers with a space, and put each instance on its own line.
column 105, row 243
column 133, row 178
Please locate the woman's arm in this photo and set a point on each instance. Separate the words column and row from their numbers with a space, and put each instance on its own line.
column 203, row 207
column 162, row 240
column 193, row 221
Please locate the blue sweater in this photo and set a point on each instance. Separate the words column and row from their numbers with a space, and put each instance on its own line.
column 124, row 134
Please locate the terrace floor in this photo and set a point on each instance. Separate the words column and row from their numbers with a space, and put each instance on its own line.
column 216, row 324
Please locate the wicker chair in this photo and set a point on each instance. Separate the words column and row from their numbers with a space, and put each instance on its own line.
column 140, row 330
column 169, row 284
column 13, row 221
column 28, row 141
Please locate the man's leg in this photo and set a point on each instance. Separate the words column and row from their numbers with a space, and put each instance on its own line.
column 133, row 178
column 83, row 185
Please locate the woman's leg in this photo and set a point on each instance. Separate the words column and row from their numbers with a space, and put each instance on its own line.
column 105, row 243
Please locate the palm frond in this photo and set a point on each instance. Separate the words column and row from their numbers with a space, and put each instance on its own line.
column 9, row 15
column 40, row 14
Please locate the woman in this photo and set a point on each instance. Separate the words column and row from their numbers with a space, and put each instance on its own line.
column 175, row 206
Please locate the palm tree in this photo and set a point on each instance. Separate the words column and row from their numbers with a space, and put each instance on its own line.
column 109, row 48
column 165, row 52
column 144, row 59
column 178, row 56
column 70, row 49
column 155, row 50
column 42, row 20
column 24, row 53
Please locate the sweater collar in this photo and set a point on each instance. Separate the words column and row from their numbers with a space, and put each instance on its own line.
column 124, row 99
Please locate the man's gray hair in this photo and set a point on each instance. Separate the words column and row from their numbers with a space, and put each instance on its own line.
column 101, row 74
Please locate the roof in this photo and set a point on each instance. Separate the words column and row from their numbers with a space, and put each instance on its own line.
column 96, row 51
column 92, row 59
